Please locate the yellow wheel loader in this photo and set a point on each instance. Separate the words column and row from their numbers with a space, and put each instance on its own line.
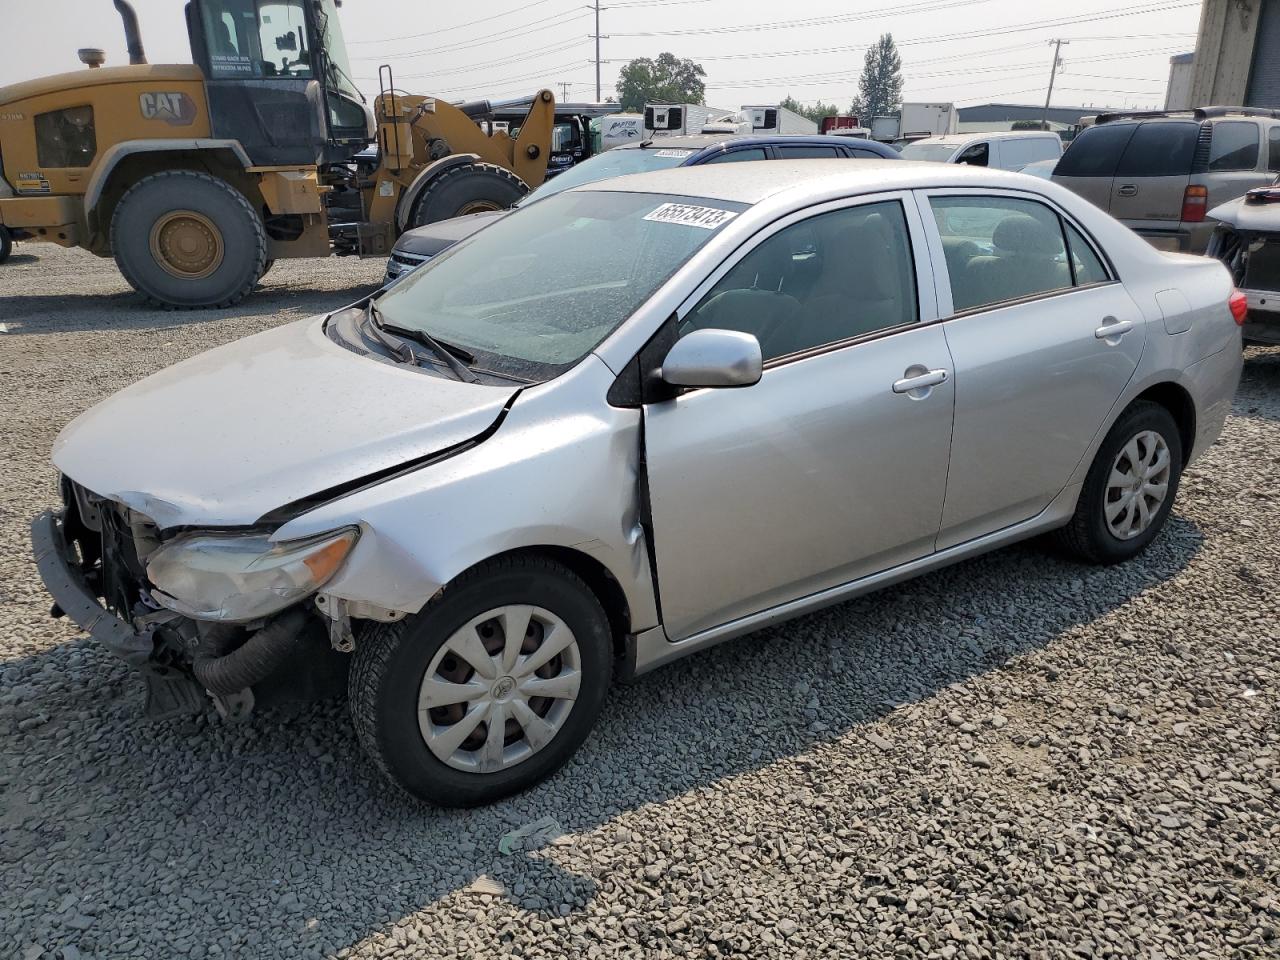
column 197, row 177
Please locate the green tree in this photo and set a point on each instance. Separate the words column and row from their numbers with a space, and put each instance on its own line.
column 880, row 88
column 668, row 79
column 814, row 113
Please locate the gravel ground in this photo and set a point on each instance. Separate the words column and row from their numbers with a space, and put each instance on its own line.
column 1015, row 757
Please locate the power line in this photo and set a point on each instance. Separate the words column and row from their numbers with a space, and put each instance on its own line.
column 470, row 23
column 928, row 6
column 510, row 33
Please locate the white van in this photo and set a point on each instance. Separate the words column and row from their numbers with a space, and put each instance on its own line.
column 1007, row 150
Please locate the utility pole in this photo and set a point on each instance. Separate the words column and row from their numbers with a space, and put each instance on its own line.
column 597, row 6
column 564, row 91
column 1053, row 74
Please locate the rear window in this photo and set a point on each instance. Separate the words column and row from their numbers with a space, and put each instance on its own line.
column 1160, row 150
column 1095, row 151
column 1234, row 146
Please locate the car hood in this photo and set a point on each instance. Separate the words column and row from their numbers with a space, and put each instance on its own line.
column 434, row 237
column 226, row 437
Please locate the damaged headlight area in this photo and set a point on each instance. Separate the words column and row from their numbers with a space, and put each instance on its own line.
column 238, row 578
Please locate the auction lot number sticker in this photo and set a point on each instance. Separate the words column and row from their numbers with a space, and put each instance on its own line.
column 708, row 218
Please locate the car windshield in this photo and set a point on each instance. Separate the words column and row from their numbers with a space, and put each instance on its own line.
column 614, row 163
column 940, row 152
column 537, row 291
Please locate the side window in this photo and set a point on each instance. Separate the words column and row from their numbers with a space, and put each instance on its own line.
column 283, row 35
column 979, row 155
column 1095, row 151
column 1159, row 149
column 1273, row 149
column 800, row 151
column 736, row 156
column 1234, row 146
column 1000, row 249
column 1088, row 268
column 829, row 278
column 66, row 138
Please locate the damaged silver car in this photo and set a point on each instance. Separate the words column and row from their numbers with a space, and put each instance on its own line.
column 621, row 425
column 1247, row 240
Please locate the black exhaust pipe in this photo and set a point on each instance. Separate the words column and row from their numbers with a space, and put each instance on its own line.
column 132, row 35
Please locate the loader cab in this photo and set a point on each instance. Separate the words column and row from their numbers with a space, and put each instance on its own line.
column 278, row 80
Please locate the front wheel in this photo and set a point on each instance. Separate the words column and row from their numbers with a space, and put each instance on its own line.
column 489, row 689
column 467, row 188
column 187, row 240
column 1129, row 490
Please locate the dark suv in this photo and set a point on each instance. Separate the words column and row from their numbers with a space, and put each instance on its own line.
column 419, row 245
column 1160, row 173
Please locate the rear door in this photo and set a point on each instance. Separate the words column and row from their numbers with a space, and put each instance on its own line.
column 1043, row 341
column 1153, row 174
column 1089, row 165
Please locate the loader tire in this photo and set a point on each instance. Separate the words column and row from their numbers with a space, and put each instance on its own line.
column 467, row 188
column 6, row 244
column 187, row 240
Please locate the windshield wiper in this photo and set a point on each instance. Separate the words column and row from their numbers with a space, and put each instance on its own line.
column 454, row 356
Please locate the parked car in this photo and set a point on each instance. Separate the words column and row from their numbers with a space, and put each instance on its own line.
column 1006, row 150
column 1160, row 173
column 1041, row 168
column 415, row 247
column 625, row 423
column 1247, row 239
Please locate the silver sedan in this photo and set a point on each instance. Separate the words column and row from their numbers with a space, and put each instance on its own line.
column 621, row 425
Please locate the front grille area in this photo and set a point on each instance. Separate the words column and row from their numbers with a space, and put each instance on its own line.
column 105, row 535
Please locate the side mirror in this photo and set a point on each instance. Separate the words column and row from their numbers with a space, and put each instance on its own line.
column 713, row 358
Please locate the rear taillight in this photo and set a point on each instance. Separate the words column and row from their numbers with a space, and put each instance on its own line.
column 1239, row 306
column 1195, row 201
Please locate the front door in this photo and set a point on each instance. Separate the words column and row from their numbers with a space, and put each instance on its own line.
column 834, row 465
column 1044, row 341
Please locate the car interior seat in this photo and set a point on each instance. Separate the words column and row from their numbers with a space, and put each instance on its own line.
column 755, row 300
column 862, row 286
column 1028, row 257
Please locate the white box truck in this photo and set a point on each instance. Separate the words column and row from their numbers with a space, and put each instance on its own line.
column 928, row 120
column 679, row 119
column 619, row 128
column 776, row 119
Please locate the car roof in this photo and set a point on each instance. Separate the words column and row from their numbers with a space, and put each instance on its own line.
column 751, row 183
column 956, row 139
column 723, row 141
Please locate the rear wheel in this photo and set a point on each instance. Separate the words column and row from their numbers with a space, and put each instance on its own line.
column 1129, row 490
column 489, row 689
column 6, row 244
column 467, row 188
column 188, row 240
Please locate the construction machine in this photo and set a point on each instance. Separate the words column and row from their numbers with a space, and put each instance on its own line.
column 197, row 177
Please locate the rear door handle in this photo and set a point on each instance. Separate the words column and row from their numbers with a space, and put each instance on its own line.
column 1128, row 190
column 921, row 381
column 1112, row 329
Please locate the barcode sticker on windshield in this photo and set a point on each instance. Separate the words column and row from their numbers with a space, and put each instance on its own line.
column 673, row 154
column 708, row 218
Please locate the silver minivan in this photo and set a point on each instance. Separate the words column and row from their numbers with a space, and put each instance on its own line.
column 1160, row 173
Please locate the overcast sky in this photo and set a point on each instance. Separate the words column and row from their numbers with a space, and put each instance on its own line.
column 754, row 52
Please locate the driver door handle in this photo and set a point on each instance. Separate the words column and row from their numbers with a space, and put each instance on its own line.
column 1113, row 329
column 921, row 382
column 1128, row 190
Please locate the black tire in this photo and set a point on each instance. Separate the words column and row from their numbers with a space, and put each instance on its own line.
column 467, row 188
column 228, row 214
column 6, row 244
column 391, row 660
column 1087, row 537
